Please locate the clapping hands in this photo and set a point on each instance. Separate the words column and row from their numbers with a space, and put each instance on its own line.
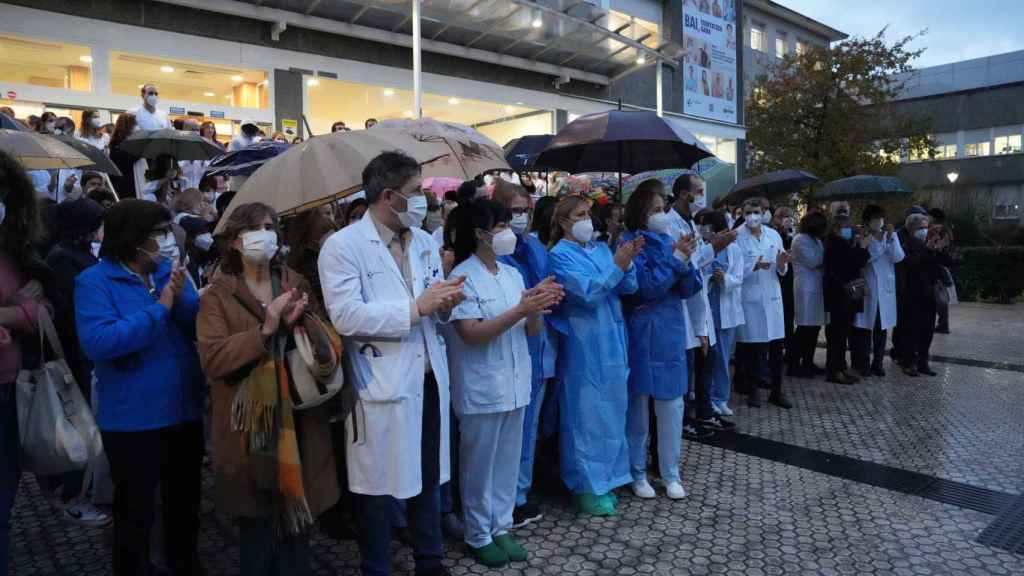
column 627, row 251
column 541, row 298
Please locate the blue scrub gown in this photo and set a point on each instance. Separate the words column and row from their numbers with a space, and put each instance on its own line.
column 657, row 338
column 593, row 367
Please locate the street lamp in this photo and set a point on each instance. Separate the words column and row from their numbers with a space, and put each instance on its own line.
column 952, row 176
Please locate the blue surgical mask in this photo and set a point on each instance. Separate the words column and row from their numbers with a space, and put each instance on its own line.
column 846, row 233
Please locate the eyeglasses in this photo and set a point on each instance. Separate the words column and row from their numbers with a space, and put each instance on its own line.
column 152, row 93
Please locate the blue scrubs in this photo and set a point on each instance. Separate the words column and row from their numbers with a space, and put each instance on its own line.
column 717, row 377
column 593, row 367
column 657, row 352
column 531, row 259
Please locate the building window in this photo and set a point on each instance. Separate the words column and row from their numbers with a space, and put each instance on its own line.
column 781, row 45
column 944, row 151
column 186, row 81
column 1008, row 144
column 43, row 63
column 802, row 48
column 977, row 149
column 1006, row 212
column 757, row 38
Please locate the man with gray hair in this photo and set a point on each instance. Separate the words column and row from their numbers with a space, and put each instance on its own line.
column 925, row 253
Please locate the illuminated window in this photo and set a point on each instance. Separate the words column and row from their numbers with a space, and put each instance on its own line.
column 757, row 38
column 945, row 151
column 1008, row 144
column 977, row 149
column 781, row 45
column 43, row 63
column 1006, row 211
column 802, row 48
column 185, row 81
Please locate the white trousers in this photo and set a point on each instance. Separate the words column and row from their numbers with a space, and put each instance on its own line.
column 668, row 415
column 489, row 452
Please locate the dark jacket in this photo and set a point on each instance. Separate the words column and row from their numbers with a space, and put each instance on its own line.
column 920, row 269
column 844, row 260
column 124, row 185
column 68, row 260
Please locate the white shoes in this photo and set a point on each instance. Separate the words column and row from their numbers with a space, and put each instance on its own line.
column 642, row 488
column 675, row 491
column 722, row 409
column 84, row 513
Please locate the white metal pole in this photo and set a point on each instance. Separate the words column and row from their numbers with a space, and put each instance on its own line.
column 657, row 81
column 417, row 64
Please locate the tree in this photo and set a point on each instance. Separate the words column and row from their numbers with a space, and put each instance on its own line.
column 827, row 111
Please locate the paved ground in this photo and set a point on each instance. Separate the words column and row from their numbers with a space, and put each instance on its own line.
column 746, row 514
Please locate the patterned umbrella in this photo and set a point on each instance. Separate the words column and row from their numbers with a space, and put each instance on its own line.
column 441, row 185
column 247, row 160
column 470, row 152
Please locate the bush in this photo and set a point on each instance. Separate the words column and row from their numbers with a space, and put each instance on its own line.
column 993, row 274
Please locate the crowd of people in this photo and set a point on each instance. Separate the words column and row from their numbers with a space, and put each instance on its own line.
column 470, row 329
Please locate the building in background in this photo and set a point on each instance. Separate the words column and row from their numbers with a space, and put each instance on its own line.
column 977, row 110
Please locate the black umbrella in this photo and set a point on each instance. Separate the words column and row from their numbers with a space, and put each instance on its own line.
column 182, row 145
column 8, row 123
column 771, row 184
column 621, row 141
column 856, row 187
column 521, row 152
column 100, row 161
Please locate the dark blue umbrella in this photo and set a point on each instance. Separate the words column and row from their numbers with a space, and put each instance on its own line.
column 770, row 184
column 8, row 123
column 864, row 186
column 621, row 141
column 521, row 152
column 247, row 160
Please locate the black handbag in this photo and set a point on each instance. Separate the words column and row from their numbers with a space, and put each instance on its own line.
column 855, row 290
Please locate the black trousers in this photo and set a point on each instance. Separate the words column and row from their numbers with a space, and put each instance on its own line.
column 757, row 367
column 170, row 458
column 917, row 327
column 868, row 346
column 805, row 342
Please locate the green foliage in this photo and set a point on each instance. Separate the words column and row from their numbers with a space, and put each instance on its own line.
column 990, row 274
column 826, row 111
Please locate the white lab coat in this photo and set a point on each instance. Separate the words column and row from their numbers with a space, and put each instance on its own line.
column 762, row 294
column 808, row 278
column 369, row 305
column 696, row 308
column 880, row 276
column 146, row 120
column 730, row 302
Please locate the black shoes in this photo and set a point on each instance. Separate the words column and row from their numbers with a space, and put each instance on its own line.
column 843, row 378
column 780, row 400
column 877, row 371
column 716, row 422
column 927, row 371
column 525, row 514
column 910, row 371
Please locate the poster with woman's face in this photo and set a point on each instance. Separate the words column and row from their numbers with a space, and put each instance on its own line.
column 709, row 28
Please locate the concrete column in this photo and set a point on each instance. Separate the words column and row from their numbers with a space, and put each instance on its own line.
column 561, row 119
column 288, row 91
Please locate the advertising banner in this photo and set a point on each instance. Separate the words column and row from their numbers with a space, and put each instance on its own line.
column 710, row 86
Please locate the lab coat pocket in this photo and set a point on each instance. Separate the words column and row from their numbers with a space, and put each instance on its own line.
column 378, row 378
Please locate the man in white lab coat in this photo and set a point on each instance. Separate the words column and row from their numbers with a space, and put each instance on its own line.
column 700, row 329
column 384, row 288
column 148, row 116
column 765, row 261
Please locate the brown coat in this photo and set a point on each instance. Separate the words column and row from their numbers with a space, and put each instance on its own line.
column 230, row 341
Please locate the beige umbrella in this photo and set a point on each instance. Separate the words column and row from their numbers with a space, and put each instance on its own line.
column 325, row 168
column 40, row 152
column 472, row 152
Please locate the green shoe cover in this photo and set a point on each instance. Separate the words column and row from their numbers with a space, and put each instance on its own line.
column 593, row 504
column 516, row 553
column 491, row 555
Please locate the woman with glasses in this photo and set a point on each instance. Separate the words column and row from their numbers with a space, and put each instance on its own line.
column 136, row 319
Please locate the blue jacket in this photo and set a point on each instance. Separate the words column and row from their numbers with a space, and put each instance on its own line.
column 655, row 319
column 147, row 369
column 531, row 259
column 593, row 366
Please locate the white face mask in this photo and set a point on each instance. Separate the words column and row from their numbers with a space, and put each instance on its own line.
column 94, row 248
column 698, row 204
column 658, row 222
column 877, row 224
column 504, row 243
column 151, row 100
column 767, row 216
column 583, row 230
column 204, row 241
column 520, row 222
column 752, row 220
column 51, row 126
column 921, row 233
column 415, row 211
column 167, row 249
column 259, row 246
column 95, row 122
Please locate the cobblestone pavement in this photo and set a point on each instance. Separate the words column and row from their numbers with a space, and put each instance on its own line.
column 745, row 514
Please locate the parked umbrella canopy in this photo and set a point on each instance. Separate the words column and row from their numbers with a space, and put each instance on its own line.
column 247, row 160
column 772, row 184
column 858, row 187
column 40, row 151
column 329, row 167
column 621, row 141
column 8, row 123
column 100, row 161
column 182, row 145
column 521, row 152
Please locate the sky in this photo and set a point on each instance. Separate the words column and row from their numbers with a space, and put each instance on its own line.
column 957, row 29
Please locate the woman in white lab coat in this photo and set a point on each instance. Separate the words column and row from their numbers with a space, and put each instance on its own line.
column 879, row 312
column 491, row 374
column 725, row 298
column 808, row 294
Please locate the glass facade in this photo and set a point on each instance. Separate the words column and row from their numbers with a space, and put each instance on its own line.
column 37, row 62
column 187, row 81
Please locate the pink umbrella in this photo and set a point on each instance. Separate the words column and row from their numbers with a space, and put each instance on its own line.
column 439, row 185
